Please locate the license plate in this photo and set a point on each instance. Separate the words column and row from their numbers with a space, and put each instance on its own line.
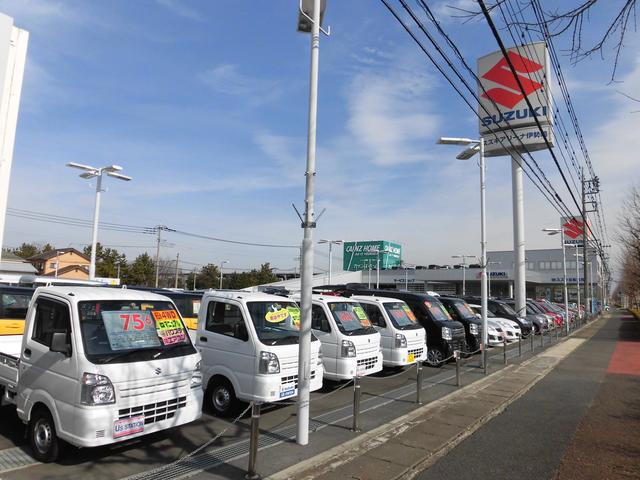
column 128, row 426
column 287, row 392
column 411, row 358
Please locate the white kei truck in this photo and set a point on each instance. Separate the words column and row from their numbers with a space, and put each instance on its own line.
column 350, row 344
column 98, row 365
column 249, row 346
column 404, row 340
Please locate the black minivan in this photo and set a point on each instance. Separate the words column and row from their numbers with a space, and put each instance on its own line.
column 444, row 335
column 461, row 312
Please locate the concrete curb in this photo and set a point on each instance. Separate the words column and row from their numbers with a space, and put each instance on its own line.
column 346, row 452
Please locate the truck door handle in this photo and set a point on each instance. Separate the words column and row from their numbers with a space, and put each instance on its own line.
column 203, row 339
column 27, row 352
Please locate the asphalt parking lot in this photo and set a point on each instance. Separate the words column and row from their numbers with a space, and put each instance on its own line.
column 385, row 396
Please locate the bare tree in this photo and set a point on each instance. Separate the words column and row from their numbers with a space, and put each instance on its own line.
column 629, row 237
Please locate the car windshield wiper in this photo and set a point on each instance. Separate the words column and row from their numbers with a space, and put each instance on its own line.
column 126, row 353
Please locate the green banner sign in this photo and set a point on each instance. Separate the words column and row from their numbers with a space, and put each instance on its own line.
column 365, row 255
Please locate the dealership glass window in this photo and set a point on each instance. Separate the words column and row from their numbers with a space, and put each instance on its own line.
column 556, row 265
column 545, row 265
column 531, row 265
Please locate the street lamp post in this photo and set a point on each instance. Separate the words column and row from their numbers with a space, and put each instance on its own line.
column 578, row 255
column 309, row 21
column 556, row 231
column 464, row 267
column 477, row 146
column 221, row 264
column 331, row 243
column 95, row 172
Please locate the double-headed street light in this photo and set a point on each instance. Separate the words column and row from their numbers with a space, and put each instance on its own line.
column 477, row 146
column 95, row 172
column 556, row 231
column 331, row 243
column 464, row 267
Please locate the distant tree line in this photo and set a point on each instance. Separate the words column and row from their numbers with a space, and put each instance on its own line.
column 629, row 238
column 141, row 271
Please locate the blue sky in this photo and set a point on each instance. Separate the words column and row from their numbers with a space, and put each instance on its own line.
column 205, row 105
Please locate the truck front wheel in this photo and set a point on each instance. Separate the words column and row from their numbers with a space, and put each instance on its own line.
column 221, row 397
column 43, row 438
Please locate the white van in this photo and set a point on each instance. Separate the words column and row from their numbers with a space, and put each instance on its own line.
column 99, row 365
column 404, row 341
column 249, row 347
column 350, row 344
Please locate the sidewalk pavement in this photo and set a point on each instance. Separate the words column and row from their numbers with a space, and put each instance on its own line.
column 413, row 442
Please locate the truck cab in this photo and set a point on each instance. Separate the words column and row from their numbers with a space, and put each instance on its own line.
column 460, row 311
column 97, row 366
column 249, row 346
column 403, row 338
column 350, row 343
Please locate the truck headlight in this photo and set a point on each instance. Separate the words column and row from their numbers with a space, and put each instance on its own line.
column 348, row 349
column 269, row 363
column 473, row 328
column 401, row 340
column 96, row 390
column 196, row 376
column 446, row 333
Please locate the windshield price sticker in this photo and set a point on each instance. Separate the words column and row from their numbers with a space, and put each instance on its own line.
column 130, row 329
column 359, row 311
column 169, row 327
column 294, row 313
column 278, row 316
column 409, row 313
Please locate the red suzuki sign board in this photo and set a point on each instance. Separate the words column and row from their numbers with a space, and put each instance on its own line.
column 507, row 123
column 573, row 230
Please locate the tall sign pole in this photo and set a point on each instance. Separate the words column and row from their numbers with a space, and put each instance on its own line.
column 13, row 55
column 508, row 85
column 585, row 271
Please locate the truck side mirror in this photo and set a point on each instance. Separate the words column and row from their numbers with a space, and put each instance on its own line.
column 478, row 315
column 240, row 331
column 59, row 344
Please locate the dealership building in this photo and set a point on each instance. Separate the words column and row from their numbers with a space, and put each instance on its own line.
column 544, row 276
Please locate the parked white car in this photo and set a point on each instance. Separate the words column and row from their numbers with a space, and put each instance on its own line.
column 350, row 344
column 249, row 346
column 99, row 365
column 510, row 329
column 403, row 338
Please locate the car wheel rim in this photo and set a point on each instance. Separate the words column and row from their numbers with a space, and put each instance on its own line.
column 42, row 436
column 434, row 356
column 221, row 398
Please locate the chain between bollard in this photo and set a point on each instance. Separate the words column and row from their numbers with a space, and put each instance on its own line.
column 253, row 443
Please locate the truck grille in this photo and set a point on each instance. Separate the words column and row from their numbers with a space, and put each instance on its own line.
column 417, row 352
column 367, row 363
column 154, row 412
column 172, row 384
column 293, row 379
column 457, row 332
column 368, row 349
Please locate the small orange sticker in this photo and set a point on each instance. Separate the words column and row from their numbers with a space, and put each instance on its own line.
column 165, row 314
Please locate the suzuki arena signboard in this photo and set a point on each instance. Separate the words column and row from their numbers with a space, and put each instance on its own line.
column 573, row 230
column 364, row 255
column 506, row 121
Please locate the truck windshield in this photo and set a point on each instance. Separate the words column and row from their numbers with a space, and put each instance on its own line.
column 275, row 322
column 116, row 331
column 508, row 309
column 401, row 316
column 351, row 318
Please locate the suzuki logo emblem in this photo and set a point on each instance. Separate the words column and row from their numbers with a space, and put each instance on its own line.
column 501, row 74
column 573, row 228
column 158, row 371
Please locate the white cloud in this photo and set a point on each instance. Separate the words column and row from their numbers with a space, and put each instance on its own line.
column 226, row 79
column 182, row 10
column 448, row 10
column 389, row 115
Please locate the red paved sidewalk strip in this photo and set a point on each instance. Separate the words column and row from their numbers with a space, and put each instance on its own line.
column 625, row 359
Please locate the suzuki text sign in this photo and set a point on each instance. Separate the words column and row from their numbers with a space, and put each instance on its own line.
column 573, row 230
column 364, row 255
column 506, row 121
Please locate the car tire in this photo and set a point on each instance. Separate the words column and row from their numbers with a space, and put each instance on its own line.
column 221, row 397
column 435, row 357
column 43, row 438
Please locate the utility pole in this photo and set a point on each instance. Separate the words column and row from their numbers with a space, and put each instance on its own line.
column 585, row 271
column 175, row 284
column 195, row 274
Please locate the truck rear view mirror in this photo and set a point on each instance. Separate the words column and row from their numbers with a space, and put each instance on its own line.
column 59, row 344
